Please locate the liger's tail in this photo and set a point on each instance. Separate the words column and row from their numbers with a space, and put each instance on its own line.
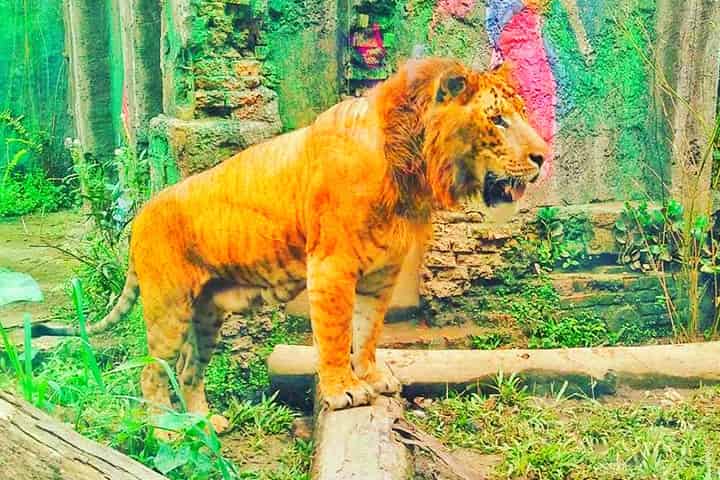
column 122, row 307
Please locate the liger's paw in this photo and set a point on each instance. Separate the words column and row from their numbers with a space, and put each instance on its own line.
column 220, row 424
column 166, row 436
column 383, row 382
column 351, row 394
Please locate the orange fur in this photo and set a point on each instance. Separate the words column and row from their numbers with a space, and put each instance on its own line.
column 331, row 208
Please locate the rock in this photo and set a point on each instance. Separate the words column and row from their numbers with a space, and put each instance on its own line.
column 459, row 273
column 247, row 68
column 302, row 428
column 196, row 145
column 443, row 288
column 440, row 259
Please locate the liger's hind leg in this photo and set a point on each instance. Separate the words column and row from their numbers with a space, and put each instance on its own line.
column 194, row 359
column 168, row 325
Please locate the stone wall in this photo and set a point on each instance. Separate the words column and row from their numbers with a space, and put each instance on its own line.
column 215, row 102
column 617, row 296
column 468, row 253
column 467, row 248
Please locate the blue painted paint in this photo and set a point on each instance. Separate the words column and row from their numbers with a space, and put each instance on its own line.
column 499, row 13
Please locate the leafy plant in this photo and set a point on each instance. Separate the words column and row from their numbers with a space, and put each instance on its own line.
column 196, row 454
column 647, row 236
column 34, row 390
column 24, row 187
column 29, row 192
column 672, row 239
column 265, row 417
column 30, row 142
column 509, row 390
column 563, row 242
column 582, row 330
column 537, row 310
column 90, row 360
column 490, row 341
column 100, row 192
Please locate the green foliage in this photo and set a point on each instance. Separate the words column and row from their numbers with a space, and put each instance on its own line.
column 509, row 391
column 90, row 360
column 556, row 438
column 579, row 330
column 24, row 186
column 563, row 242
column 100, row 192
column 633, row 334
column 537, row 310
column 31, row 191
column 102, row 270
column 264, row 417
column 34, row 390
column 489, row 341
column 197, row 452
column 555, row 243
column 647, row 236
column 228, row 378
column 671, row 238
column 24, row 147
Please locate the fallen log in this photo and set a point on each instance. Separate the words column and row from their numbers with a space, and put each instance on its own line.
column 359, row 443
column 594, row 371
column 34, row 446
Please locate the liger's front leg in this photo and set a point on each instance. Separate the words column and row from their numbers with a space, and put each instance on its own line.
column 371, row 303
column 331, row 291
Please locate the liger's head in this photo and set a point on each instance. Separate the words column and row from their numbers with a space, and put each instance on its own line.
column 459, row 134
column 478, row 142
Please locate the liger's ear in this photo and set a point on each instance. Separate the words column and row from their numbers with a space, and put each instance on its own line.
column 503, row 69
column 451, row 85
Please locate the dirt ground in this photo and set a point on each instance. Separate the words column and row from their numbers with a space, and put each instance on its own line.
column 26, row 246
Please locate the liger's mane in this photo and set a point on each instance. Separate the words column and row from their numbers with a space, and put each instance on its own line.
column 403, row 100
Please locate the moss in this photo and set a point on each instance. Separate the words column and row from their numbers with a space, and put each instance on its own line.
column 305, row 80
column 163, row 167
column 609, row 93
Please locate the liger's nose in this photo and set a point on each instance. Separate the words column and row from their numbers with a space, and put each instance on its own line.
column 537, row 159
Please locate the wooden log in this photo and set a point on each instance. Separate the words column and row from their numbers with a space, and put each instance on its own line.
column 34, row 446
column 359, row 443
column 591, row 370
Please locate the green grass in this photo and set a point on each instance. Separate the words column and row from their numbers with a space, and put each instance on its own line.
column 560, row 438
column 31, row 192
column 97, row 391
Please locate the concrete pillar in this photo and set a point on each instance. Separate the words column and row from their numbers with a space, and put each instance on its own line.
column 688, row 42
column 142, row 86
column 87, row 32
column 176, row 23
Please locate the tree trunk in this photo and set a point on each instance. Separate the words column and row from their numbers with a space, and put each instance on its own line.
column 34, row 446
column 359, row 443
column 591, row 370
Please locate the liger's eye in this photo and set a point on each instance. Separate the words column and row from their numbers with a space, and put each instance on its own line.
column 499, row 121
